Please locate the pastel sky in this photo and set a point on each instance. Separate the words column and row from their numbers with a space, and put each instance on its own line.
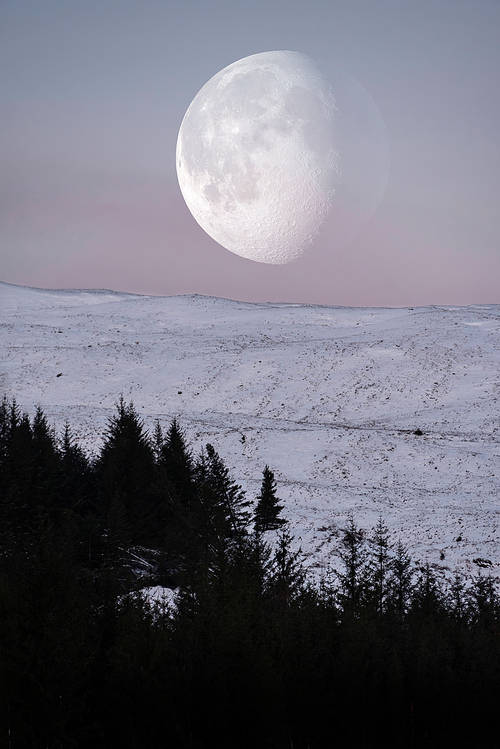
column 93, row 94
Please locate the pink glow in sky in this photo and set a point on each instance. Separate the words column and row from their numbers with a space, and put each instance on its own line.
column 91, row 109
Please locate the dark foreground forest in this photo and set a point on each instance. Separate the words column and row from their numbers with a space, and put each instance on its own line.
column 251, row 653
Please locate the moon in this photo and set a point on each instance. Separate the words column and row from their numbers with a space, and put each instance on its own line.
column 258, row 157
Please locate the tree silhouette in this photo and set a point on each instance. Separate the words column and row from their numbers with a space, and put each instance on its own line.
column 354, row 558
column 379, row 566
column 176, row 462
column 287, row 571
column 400, row 583
column 268, row 509
column 124, row 469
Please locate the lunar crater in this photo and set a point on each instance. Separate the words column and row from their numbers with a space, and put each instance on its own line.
column 257, row 160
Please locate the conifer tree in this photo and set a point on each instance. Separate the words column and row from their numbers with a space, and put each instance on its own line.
column 379, row 566
column 222, row 498
column 157, row 442
column 124, row 471
column 175, row 459
column 354, row 558
column 259, row 560
column 427, row 598
column 483, row 601
column 73, row 457
column 14, row 417
column 43, row 437
column 218, row 520
column 268, row 509
column 400, row 583
column 76, row 472
column 177, row 510
column 18, row 499
column 46, row 464
column 287, row 571
column 457, row 598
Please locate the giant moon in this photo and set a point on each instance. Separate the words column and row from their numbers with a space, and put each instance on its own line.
column 258, row 158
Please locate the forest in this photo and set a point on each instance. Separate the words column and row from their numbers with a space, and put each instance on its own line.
column 252, row 651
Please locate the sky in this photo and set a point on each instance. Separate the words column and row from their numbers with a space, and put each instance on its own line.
column 93, row 94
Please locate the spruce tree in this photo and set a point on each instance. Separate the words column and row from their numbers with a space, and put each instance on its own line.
column 157, row 442
column 124, row 471
column 484, row 604
column 176, row 461
column 268, row 509
column 222, row 498
column 14, row 417
column 258, row 562
column 379, row 566
column 46, row 464
column 19, row 497
column 219, row 519
column 427, row 599
column 287, row 571
column 73, row 457
column 457, row 598
column 176, row 501
column 76, row 472
column 354, row 558
column 401, row 581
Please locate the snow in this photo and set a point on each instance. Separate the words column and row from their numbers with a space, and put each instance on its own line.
column 160, row 598
column 329, row 397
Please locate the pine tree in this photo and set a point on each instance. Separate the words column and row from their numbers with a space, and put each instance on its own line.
column 76, row 472
column 18, row 500
column 222, row 498
column 177, row 509
column 255, row 558
column 266, row 517
column 260, row 562
column 73, row 458
column 400, row 583
column 43, row 437
column 427, row 598
column 379, row 566
column 31, row 478
column 354, row 558
column 176, row 461
column 218, row 520
column 157, row 442
column 14, row 417
column 287, row 571
column 125, row 470
column 46, row 464
column 457, row 598
column 484, row 604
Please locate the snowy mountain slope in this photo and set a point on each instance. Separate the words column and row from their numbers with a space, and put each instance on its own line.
column 328, row 396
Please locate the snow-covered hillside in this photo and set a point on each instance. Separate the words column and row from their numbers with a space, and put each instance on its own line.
column 330, row 397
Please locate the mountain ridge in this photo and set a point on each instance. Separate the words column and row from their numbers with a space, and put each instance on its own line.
column 195, row 295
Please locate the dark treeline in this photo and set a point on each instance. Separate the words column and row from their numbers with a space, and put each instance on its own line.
column 252, row 654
